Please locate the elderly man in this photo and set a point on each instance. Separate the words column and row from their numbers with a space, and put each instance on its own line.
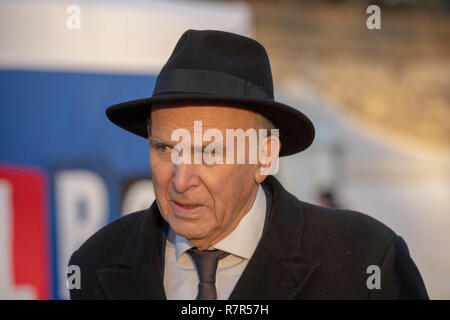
column 221, row 228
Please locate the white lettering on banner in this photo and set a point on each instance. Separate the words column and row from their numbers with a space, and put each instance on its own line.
column 8, row 290
column 139, row 196
column 81, row 209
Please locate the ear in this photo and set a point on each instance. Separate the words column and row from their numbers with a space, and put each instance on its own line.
column 268, row 161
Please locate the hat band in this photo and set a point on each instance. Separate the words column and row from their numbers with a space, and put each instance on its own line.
column 205, row 82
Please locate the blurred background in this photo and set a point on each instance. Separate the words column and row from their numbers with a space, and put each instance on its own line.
column 379, row 99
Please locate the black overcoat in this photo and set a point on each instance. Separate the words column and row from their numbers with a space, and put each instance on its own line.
column 306, row 252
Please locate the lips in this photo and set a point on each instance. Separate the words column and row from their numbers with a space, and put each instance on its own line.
column 186, row 208
column 187, row 204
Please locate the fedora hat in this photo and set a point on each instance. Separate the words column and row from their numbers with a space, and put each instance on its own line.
column 218, row 68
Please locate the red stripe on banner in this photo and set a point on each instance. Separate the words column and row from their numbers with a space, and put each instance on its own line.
column 30, row 254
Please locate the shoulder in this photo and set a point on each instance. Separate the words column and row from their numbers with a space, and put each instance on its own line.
column 345, row 240
column 345, row 223
column 327, row 224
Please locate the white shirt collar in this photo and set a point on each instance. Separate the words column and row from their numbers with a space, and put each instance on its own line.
column 243, row 240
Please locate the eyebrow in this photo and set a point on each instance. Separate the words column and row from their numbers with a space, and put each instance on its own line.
column 154, row 140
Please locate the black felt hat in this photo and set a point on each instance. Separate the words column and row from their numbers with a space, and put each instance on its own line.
column 218, row 68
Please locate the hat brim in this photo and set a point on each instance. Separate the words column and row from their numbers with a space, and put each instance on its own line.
column 296, row 131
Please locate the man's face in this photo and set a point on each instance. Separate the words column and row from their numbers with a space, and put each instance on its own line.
column 201, row 202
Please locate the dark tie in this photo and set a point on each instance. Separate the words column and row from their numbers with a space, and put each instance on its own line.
column 206, row 262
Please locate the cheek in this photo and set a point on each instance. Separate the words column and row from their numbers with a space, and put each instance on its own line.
column 161, row 175
column 238, row 177
column 228, row 187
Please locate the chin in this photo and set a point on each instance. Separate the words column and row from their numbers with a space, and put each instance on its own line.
column 188, row 230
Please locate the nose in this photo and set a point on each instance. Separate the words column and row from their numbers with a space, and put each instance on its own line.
column 184, row 177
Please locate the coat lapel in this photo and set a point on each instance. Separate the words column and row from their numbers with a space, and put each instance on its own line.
column 276, row 269
column 139, row 271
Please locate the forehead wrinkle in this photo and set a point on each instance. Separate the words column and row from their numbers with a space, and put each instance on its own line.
column 234, row 119
column 220, row 117
column 163, row 129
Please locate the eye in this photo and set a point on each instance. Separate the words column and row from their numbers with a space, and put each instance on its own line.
column 163, row 148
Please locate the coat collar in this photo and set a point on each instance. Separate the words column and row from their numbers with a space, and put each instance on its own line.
column 139, row 271
column 277, row 258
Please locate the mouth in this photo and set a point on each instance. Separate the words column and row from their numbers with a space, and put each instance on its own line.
column 186, row 208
